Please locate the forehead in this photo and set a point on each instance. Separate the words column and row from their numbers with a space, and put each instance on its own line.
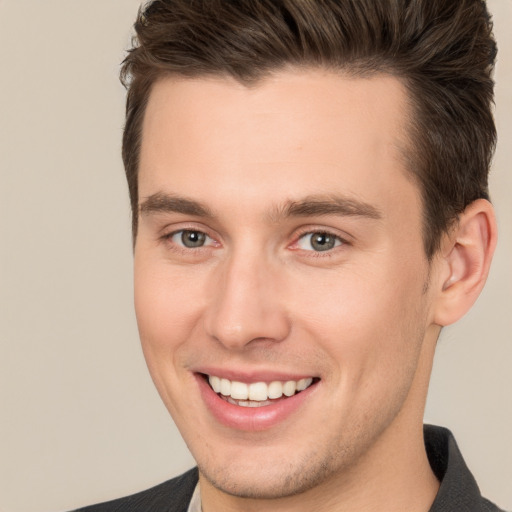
column 296, row 132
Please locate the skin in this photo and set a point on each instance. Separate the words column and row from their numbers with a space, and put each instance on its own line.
column 362, row 318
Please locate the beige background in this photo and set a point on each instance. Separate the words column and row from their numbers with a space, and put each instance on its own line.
column 80, row 421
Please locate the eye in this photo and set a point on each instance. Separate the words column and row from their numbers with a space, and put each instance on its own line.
column 190, row 238
column 318, row 241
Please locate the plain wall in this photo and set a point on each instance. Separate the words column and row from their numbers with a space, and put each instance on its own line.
column 80, row 421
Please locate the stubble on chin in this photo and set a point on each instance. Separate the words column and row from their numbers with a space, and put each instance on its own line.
column 283, row 480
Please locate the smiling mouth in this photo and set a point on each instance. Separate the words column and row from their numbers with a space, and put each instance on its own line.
column 257, row 394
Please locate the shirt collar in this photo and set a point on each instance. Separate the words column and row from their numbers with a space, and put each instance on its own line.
column 195, row 502
column 458, row 490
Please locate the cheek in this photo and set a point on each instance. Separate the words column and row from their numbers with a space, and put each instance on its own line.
column 367, row 319
column 167, row 312
column 167, row 308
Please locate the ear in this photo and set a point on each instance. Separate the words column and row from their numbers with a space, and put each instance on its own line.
column 464, row 262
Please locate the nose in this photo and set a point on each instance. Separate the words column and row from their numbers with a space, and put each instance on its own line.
column 247, row 304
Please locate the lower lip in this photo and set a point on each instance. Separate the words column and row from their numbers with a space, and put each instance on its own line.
column 251, row 418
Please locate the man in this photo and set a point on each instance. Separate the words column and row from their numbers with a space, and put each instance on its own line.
column 309, row 191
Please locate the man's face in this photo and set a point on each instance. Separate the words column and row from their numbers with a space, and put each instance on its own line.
column 280, row 241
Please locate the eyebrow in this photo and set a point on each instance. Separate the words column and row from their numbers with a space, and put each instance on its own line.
column 169, row 203
column 327, row 205
column 316, row 205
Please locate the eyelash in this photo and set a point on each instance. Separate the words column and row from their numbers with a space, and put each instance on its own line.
column 177, row 246
column 339, row 243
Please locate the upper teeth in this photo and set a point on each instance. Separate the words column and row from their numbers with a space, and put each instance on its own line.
column 257, row 390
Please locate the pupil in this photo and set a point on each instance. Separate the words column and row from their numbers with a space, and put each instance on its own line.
column 193, row 238
column 322, row 242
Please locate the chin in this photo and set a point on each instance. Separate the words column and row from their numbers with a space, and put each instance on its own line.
column 253, row 479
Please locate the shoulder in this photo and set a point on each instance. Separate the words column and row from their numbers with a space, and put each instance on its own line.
column 458, row 489
column 488, row 506
column 170, row 496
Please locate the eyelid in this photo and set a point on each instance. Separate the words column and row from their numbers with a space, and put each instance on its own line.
column 176, row 227
column 337, row 241
column 177, row 241
column 168, row 232
column 311, row 230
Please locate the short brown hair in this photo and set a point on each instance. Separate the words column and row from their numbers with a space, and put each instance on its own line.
column 442, row 50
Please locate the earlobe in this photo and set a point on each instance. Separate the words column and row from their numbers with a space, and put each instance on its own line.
column 465, row 259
